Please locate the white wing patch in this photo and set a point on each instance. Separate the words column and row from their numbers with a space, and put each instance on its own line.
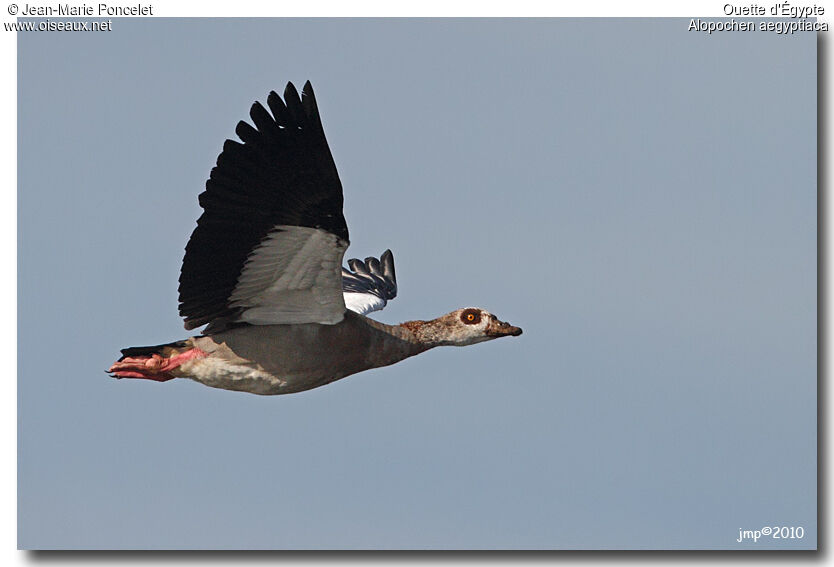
column 293, row 276
column 363, row 303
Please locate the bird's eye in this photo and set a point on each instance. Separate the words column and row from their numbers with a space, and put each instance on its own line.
column 471, row 316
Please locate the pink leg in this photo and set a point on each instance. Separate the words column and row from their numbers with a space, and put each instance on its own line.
column 153, row 367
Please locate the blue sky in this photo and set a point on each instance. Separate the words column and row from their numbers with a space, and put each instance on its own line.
column 635, row 196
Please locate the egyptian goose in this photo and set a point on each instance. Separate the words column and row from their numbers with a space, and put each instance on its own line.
column 263, row 269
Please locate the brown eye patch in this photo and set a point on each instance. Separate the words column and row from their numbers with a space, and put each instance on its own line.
column 471, row 316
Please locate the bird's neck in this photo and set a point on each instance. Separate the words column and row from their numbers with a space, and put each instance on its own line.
column 430, row 334
column 389, row 343
column 421, row 335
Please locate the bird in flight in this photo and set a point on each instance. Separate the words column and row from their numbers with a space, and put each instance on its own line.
column 263, row 270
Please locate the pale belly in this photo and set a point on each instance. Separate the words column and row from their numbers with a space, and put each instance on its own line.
column 220, row 373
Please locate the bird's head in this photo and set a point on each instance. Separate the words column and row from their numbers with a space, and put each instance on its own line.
column 461, row 327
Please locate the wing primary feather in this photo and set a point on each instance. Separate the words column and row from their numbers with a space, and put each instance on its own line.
column 369, row 285
column 263, row 121
column 358, row 266
column 387, row 260
column 308, row 101
column 294, row 105
column 247, row 133
column 279, row 109
column 373, row 265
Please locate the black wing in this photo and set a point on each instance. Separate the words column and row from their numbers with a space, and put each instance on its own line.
column 282, row 175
